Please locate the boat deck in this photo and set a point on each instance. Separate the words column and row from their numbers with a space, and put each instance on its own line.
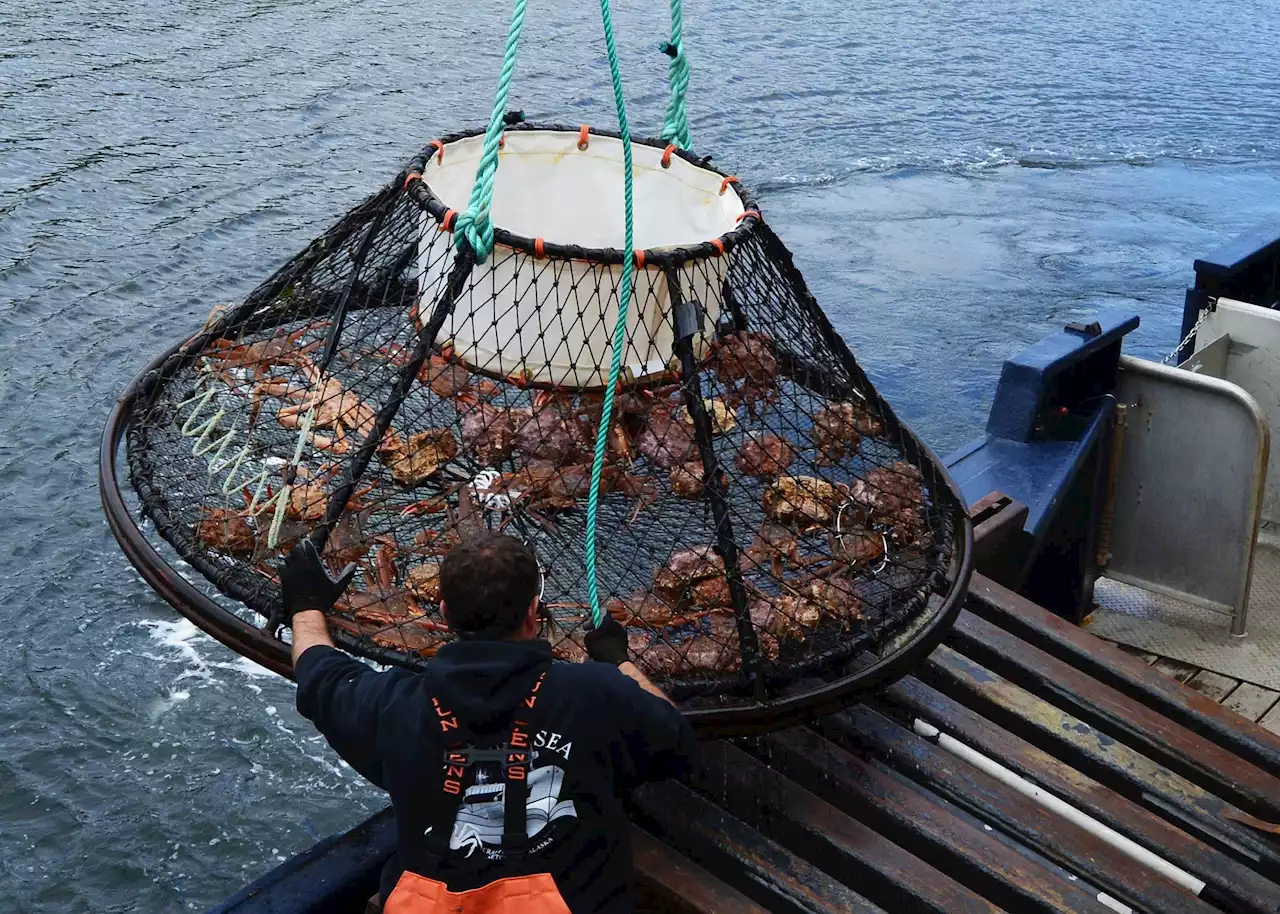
column 1247, row 699
column 1164, row 625
column 868, row 812
column 861, row 812
column 864, row 811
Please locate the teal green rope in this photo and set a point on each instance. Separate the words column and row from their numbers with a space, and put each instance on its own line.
column 676, row 127
column 474, row 224
column 619, row 329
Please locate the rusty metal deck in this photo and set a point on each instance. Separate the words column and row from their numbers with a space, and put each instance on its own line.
column 857, row 813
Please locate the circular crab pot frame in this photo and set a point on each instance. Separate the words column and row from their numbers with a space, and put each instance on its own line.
column 775, row 540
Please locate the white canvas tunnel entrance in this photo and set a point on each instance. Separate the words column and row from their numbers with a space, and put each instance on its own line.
column 552, row 320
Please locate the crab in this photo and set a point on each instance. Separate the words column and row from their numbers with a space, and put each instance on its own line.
column 835, row 432
column 424, row 581
column 893, row 496
column 226, row 530
column 420, row 637
column 712, row 648
column 746, row 365
column 900, row 479
column 765, row 456
column 693, row 577
column 804, row 502
column 489, row 432
column 331, row 406
column 785, row 616
column 348, row 540
column 282, row 349
column 774, row 545
column 648, row 610
column 687, row 479
column 386, row 602
column 414, row 637
column 664, row 441
column 552, row 487
column 720, row 413
column 552, row 433
column 445, row 374
column 564, row 646
column 309, row 499
column 449, row 378
column 414, row 463
column 805, row 607
column 858, row 549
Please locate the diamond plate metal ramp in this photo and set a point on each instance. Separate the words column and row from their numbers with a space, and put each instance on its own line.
column 1165, row 625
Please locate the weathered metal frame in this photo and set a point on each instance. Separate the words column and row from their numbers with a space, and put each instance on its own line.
column 1143, row 371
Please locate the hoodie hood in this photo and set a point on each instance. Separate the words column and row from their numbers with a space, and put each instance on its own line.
column 483, row 681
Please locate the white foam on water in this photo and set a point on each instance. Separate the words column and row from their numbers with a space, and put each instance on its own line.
column 180, row 641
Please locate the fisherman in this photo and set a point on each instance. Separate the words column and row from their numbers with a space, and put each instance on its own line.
column 506, row 772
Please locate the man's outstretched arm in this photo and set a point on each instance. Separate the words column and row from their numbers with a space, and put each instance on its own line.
column 343, row 697
column 631, row 671
column 309, row 630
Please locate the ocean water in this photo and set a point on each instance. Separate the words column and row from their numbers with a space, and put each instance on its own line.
column 955, row 179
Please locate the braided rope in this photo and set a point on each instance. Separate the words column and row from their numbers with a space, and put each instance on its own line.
column 474, row 225
column 619, row 329
column 675, row 128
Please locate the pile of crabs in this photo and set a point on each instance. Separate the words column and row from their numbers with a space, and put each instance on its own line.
column 489, row 451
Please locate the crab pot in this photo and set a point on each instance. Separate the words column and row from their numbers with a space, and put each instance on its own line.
column 775, row 539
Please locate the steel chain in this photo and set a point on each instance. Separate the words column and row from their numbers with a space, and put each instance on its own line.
column 1200, row 319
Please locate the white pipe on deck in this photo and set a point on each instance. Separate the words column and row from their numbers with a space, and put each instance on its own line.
column 1050, row 802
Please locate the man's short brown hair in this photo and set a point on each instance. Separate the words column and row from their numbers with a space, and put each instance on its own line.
column 487, row 584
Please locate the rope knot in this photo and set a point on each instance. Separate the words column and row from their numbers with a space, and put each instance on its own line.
column 477, row 231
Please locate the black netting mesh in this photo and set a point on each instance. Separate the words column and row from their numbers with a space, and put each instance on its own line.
column 765, row 517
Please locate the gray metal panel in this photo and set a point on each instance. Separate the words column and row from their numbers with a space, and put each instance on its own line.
column 1253, row 362
column 1189, row 489
column 1210, row 359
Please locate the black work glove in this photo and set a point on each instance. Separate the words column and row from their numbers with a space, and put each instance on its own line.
column 607, row 642
column 305, row 582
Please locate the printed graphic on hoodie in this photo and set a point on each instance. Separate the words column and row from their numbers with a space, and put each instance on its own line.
column 477, row 825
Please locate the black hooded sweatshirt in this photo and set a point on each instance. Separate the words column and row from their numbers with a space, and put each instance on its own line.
column 597, row 735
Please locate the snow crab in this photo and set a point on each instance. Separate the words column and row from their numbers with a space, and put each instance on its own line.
column 222, row 354
column 722, row 416
column 693, row 577
column 687, row 479
column 835, row 432
column 765, row 456
column 746, row 365
column 804, row 502
column 665, row 441
column 489, row 432
column 422, row 457
column 226, row 530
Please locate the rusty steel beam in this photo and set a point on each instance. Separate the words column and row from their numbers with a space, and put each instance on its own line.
column 839, row 844
column 924, row 826
column 1197, row 759
column 1231, row 886
column 669, row 882
column 1124, row 673
column 759, row 868
column 1058, row 840
column 1118, row 766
